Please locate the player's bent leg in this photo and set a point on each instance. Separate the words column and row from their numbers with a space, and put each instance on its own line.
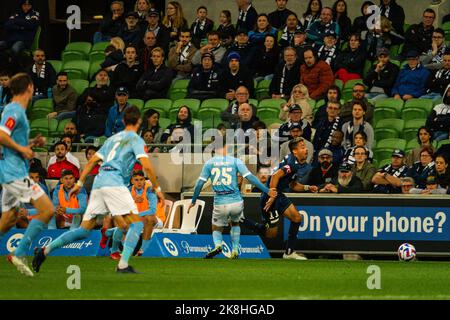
column 294, row 216
column 44, row 207
column 135, row 227
column 271, row 232
column 150, row 222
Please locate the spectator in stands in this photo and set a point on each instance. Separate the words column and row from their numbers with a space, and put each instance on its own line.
column 439, row 79
column 381, row 76
column 340, row 15
column 264, row 59
column 89, row 153
column 128, row 72
column 336, row 147
column 64, row 98
column 391, row 10
column 262, row 28
column 71, row 129
column 246, row 117
column 360, row 22
column 230, row 115
column 155, row 83
column 131, row 31
column 431, row 187
column 299, row 96
column 114, row 123
column 358, row 123
column 213, row 47
column 423, row 168
column 234, row 76
column 286, row 75
column 90, row 118
column 43, row 75
column 439, row 119
column 407, row 183
column 180, row 56
column 277, row 18
column 242, row 46
column 424, row 140
column 111, row 27
column 288, row 30
column 226, row 29
column 5, row 91
column 247, row 15
column 350, row 63
column 183, row 122
column 69, row 208
column 174, row 19
column 359, row 140
column 102, row 93
column 419, row 36
column 142, row 7
column 54, row 170
column 316, row 75
column 300, row 44
column 113, row 54
column 442, row 171
column 333, row 93
column 295, row 117
column 382, row 35
column 325, row 172
column 325, row 128
column 363, row 169
column 201, row 26
column 145, row 53
column 387, row 178
column 205, row 79
column 263, row 175
column 329, row 51
column 151, row 122
column 433, row 58
column 68, row 140
column 320, row 27
column 21, row 28
column 358, row 95
column 296, row 131
column 312, row 13
column 346, row 182
column 161, row 32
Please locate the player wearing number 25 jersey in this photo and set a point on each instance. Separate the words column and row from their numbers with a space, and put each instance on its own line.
column 228, row 203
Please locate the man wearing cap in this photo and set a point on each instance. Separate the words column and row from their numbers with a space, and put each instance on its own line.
column 296, row 131
column 286, row 75
column 114, row 123
column 128, row 72
column 388, row 178
column 324, row 173
column 111, row 26
column 295, row 118
column 328, row 51
column 205, row 79
column 236, row 75
column 21, row 28
column 381, row 76
column 345, row 182
column 431, row 187
column 412, row 79
column 161, row 32
column 180, row 55
column 247, row 15
column 324, row 24
column 131, row 33
column 277, row 18
column 213, row 47
column 242, row 46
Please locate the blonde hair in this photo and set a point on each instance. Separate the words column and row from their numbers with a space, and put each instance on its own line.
column 178, row 18
column 302, row 88
column 118, row 43
column 385, row 23
column 136, row 6
column 160, row 50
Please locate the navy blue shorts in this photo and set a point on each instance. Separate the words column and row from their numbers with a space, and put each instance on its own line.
column 272, row 216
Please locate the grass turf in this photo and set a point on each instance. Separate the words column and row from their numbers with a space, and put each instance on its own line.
column 180, row 279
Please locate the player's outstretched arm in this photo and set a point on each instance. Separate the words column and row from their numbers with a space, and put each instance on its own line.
column 6, row 141
column 255, row 181
column 197, row 189
column 273, row 185
column 87, row 169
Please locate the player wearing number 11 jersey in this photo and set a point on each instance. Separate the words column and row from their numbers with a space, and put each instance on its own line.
column 228, row 203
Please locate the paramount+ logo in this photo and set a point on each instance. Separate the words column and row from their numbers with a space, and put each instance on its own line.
column 170, row 247
column 13, row 242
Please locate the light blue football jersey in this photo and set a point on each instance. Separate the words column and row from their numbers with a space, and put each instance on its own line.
column 14, row 122
column 119, row 154
column 223, row 173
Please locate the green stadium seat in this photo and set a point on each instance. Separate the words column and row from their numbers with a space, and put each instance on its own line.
column 96, row 56
column 267, row 112
column 384, row 147
column 76, row 51
column 193, row 104
column 137, row 102
column 270, row 121
column 100, row 46
column 161, row 105
column 94, row 67
column 71, row 56
column 367, row 66
column 79, row 85
column 442, row 142
column 60, row 127
column 219, row 104
column 413, row 113
column 387, row 108
column 384, row 162
column 339, row 83
column 254, row 102
column 388, row 128
column 74, row 74
column 350, row 83
column 180, row 84
column 41, row 126
column 77, row 65
column 210, row 116
column 275, row 103
column 446, row 26
column 164, row 122
column 56, row 64
column 40, row 109
column 411, row 127
column 262, row 89
column 424, row 104
column 53, row 128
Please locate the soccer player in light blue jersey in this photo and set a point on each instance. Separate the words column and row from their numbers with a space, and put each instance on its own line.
column 222, row 169
column 110, row 193
column 18, row 187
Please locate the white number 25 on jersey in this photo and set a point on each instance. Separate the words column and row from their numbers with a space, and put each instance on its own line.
column 221, row 177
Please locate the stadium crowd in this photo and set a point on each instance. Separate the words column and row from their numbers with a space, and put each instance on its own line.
column 346, row 68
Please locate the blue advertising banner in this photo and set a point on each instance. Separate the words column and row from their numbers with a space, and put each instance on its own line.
column 373, row 223
column 174, row 245
column 86, row 247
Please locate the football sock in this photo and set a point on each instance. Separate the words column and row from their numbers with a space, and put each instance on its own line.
column 217, row 238
column 117, row 236
column 66, row 238
column 292, row 237
column 235, row 234
column 145, row 244
column 133, row 234
column 109, row 232
column 257, row 227
column 34, row 228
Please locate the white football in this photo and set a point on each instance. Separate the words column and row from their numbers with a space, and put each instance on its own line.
column 406, row 252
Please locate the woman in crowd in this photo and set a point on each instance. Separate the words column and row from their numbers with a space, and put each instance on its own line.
column 312, row 13
column 262, row 28
column 424, row 139
column 340, row 15
column 300, row 96
column 174, row 19
column 264, row 59
column 175, row 131
column 151, row 122
column 442, row 171
column 423, row 168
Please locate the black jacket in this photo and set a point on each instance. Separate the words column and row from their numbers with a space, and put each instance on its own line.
column 395, row 13
column 417, row 38
column 352, row 61
column 199, row 31
column 162, row 37
column 41, row 85
column 291, row 78
column 384, row 79
column 262, row 62
column 248, row 20
column 242, row 78
column 111, row 27
column 277, row 18
column 205, row 84
column 439, row 118
column 103, row 95
column 320, row 179
column 155, row 83
column 126, row 76
column 243, row 50
column 438, row 81
column 90, row 119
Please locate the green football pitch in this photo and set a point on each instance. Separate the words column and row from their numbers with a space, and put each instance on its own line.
column 181, row 279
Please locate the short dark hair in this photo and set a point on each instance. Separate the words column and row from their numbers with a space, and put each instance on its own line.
column 359, row 103
column 429, row 10
column 66, row 135
column 89, row 148
column 360, row 147
column 294, row 142
column 132, row 115
column 362, row 133
column 5, row 73
column 20, row 83
column 62, row 73
column 214, row 33
column 202, row 7
column 138, row 173
column 66, row 172
column 59, row 143
column 441, row 31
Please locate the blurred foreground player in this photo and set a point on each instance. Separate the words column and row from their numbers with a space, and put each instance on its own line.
column 109, row 192
column 228, row 202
